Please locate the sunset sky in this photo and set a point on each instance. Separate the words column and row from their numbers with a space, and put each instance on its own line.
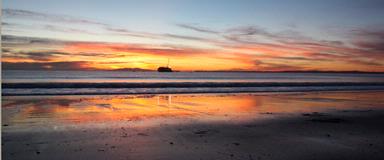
column 241, row 35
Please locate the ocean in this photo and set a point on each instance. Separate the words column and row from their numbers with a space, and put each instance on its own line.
column 25, row 82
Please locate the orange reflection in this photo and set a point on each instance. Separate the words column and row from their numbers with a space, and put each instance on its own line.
column 177, row 108
column 114, row 108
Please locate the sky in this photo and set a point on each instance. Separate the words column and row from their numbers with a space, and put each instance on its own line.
column 209, row 35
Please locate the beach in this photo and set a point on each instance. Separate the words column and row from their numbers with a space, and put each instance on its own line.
column 264, row 125
column 192, row 80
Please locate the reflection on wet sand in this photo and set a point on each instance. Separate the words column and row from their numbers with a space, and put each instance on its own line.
column 146, row 110
column 310, row 125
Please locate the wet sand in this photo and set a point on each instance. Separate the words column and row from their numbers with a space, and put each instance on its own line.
column 318, row 125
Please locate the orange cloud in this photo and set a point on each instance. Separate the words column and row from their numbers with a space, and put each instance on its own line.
column 252, row 56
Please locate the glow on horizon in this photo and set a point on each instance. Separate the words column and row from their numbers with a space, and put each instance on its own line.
column 194, row 36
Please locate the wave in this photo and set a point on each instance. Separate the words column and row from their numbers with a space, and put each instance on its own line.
column 186, row 84
column 30, row 89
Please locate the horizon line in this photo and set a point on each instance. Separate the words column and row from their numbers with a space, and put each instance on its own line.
column 150, row 70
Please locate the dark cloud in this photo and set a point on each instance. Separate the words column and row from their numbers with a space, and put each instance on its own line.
column 333, row 42
column 125, row 32
column 291, row 25
column 103, row 55
column 25, row 14
column 21, row 40
column 366, row 62
column 65, row 29
column 267, row 66
column 126, row 62
column 197, row 28
column 317, row 56
column 372, row 40
column 158, row 51
column 9, row 40
column 43, row 56
column 4, row 50
column 327, row 56
column 78, row 65
column 286, row 39
column 248, row 31
column 53, row 55
column 75, row 65
column 308, row 58
column 307, row 44
column 35, row 55
column 186, row 37
column 371, row 45
column 294, row 58
column 256, row 35
column 5, row 24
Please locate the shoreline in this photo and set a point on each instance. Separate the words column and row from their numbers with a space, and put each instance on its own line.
column 203, row 93
column 213, row 71
column 67, row 90
column 51, row 85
